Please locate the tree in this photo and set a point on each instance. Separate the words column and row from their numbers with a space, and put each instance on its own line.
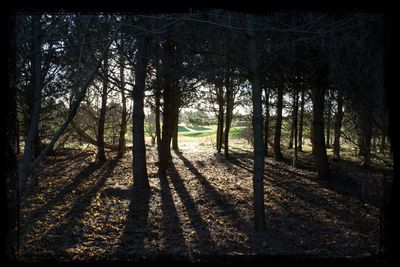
column 101, row 156
column 255, row 79
column 318, row 137
column 140, row 176
column 338, row 125
column 121, row 140
column 278, row 125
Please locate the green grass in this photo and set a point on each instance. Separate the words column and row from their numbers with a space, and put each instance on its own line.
column 200, row 128
column 198, row 134
column 183, row 129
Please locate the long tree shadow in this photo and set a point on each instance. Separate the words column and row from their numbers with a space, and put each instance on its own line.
column 136, row 230
column 226, row 208
column 204, row 242
column 64, row 232
column 60, row 196
column 173, row 233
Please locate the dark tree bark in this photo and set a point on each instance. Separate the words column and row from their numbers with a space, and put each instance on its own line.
column 258, row 183
column 328, row 123
column 157, row 96
column 278, row 126
column 140, row 177
column 220, row 127
column 170, row 86
column 338, row 125
column 229, row 112
column 121, row 140
column 295, row 110
column 266, row 121
column 300, row 146
column 36, row 89
column 365, row 139
column 175, row 130
column 318, row 137
column 101, row 156
column 290, row 145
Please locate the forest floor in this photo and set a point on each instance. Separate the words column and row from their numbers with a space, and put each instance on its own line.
column 200, row 210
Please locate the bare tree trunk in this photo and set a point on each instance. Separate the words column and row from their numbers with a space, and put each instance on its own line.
column 295, row 109
column 266, row 121
column 320, row 156
column 229, row 113
column 301, row 121
column 36, row 84
column 338, row 125
column 290, row 145
column 122, row 140
column 170, row 85
column 101, row 156
column 366, row 136
column 157, row 96
column 220, row 128
column 277, row 138
column 140, row 177
column 328, row 123
column 175, row 131
column 258, row 183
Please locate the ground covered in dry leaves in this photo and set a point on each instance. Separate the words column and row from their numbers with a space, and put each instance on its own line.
column 202, row 208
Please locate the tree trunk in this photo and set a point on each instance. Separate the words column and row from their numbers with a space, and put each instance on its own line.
column 121, row 140
column 36, row 85
column 328, row 123
column 258, row 183
column 101, row 156
column 366, row 136
column 220, row 127
column 175, row 131
column 277, row 138
column 170, row 85
column 301, row 121
column 295, row 110
column 266, row 121
column 320, row 156
column 338, row 125
column 229, row 113
column 290, row 145
column 140, row 177
column 157, row 96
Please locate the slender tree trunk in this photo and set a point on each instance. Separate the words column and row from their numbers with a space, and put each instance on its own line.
column 320, row 156
column 122, row 141
column 383, row 144
column 290, row 145
column 258, row 183
column 295, row 110
column 338, row 125
column 366, row 136
column 328, row 123
column 101, row 156
column 175, row 131
column 301, row 121
column 157, row 114
column 220, row 128
column 170, row 85
column 36, row 84
column 266, row 121
column 229, row 113
column 140, row 177
column 277, row 138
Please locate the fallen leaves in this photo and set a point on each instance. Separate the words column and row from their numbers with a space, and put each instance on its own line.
column 206, row 208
